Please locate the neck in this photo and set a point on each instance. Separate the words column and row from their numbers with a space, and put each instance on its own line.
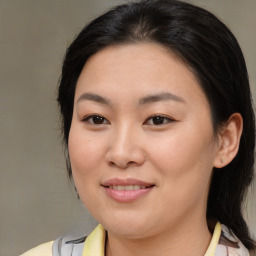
column 186, row 239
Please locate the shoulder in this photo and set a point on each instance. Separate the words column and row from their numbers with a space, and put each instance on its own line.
column 64, row 246
column 41, row 250
column 229, row 244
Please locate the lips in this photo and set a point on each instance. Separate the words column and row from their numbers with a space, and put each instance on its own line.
column 127, row 187
column 125, row 182
column 126, row 190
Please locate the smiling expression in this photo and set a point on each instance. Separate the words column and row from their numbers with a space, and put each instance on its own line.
column 141, row 142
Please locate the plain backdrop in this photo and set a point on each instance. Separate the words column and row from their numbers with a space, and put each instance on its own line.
column 37, row 202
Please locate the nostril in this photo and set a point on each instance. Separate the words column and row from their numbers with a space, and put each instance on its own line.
column 122, row 164
column 125, row 157
column 111, row 163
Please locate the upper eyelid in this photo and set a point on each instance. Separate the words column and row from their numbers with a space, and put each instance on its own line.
column 87, row 117
column 91, row 115
column 170, row 119
column 161, row 115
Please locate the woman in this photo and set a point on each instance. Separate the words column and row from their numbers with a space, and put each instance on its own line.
column 160, row 131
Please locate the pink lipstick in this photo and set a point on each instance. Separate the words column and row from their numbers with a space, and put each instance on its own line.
column 126, row 190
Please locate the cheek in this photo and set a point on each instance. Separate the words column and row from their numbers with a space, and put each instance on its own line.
column 185, row 161
column 85, row 152
column 179, row 154
column 185, row 174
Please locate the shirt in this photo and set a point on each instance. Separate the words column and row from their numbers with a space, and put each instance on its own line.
column 223, row 243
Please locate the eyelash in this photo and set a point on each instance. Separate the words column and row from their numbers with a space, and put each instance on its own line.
column 89, row 119
column 159, row 118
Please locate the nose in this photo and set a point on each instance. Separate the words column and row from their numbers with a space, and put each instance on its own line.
column 125, row 149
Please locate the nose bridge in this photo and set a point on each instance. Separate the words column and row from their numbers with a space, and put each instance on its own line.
column 122, row 142
column 124, row 147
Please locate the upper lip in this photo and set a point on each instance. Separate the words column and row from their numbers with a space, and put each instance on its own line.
column 125, row 182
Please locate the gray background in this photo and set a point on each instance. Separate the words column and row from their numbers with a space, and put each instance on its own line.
column 37, row 203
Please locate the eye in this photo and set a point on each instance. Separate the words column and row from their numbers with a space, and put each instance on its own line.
column 158, row 120
column 95, row 120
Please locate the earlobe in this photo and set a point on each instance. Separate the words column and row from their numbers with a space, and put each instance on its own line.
column 229, row 141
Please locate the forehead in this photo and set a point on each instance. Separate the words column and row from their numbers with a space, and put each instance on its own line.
column 137, row 69
column 134, row 59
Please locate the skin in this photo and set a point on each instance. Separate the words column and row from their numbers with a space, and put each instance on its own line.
column 176, row 156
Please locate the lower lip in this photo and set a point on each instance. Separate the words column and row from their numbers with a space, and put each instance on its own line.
column 126, row 196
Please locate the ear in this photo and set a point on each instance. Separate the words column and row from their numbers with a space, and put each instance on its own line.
column 229, row 141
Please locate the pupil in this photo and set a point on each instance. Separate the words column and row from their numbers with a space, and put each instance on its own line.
column 98, row 120
column 158, row 120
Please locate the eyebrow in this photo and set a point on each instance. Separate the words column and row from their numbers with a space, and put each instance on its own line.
column 94, row 97
column 164, row 96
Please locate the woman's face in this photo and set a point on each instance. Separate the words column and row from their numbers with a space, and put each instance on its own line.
column 141, row 142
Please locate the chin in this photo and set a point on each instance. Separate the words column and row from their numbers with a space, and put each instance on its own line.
column 127, row 226
column 128, row 232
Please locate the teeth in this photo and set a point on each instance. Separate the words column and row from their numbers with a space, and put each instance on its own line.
column 128, row 187
column 120, row 188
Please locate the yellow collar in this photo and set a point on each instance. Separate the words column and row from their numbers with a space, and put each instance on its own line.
column 95, row 242
column 215, row 239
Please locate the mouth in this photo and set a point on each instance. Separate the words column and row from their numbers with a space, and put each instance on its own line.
column 126, row 190
column 128, row 187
